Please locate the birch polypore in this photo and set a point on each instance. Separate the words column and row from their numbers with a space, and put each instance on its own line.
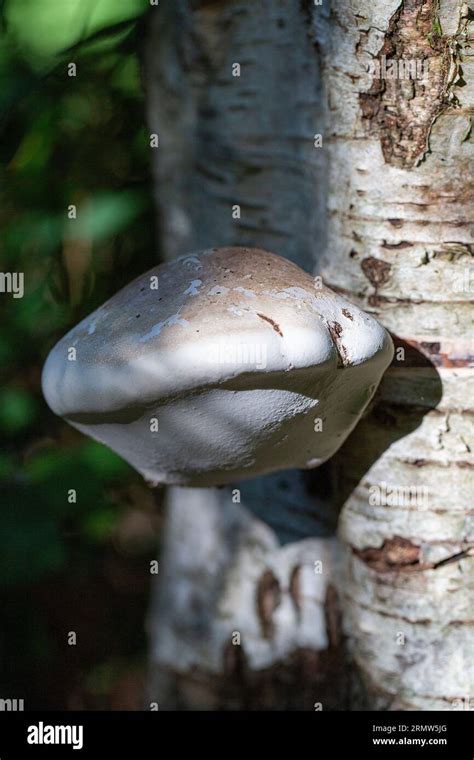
column 215, row 366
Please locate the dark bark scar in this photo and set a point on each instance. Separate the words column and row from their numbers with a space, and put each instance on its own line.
column 378, row 273
column 295, row 588
column 396, row 553
column 403, row 109
column 268, row 599
column 376, row 270
column 401, row 555
column 333, row 617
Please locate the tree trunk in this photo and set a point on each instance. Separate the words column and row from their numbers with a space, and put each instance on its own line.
column 245, row 612
column 400, row 245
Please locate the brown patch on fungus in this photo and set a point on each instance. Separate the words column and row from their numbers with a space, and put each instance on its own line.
column 271, row 322
column 347, row 314
column 335, row 330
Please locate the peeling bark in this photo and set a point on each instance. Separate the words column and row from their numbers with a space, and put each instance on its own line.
column 403, row 109
column 395, row 554
column 400, row 244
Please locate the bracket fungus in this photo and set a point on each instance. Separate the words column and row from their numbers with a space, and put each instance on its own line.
column 220, row 365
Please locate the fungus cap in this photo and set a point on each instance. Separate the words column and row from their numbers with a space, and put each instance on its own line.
column 222, row 364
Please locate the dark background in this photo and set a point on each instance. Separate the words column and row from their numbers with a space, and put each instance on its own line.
column 82, row 140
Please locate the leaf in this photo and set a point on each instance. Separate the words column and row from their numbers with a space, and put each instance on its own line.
column 106, row 214
column 17, row 409
column 45, row 28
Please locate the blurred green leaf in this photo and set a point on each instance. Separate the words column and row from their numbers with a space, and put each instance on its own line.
column 36, row 146
column 106, row 214
column 64, row 141
column 46, row 464
column 17, row 409
column 98, row 525
column 44, row 230
column 45, row 28
column 103, row 461
column 127, row 76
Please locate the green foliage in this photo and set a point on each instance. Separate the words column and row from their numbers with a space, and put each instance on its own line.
column 43, row 29
column 107, row 214
column 17, row 409
column 65, row 140
column 56, row 492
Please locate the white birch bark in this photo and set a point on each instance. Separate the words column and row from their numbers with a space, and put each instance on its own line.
column 400, row 244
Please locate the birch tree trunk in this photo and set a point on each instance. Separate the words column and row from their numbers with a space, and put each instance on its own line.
column 245, row 611
column 400, row 244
